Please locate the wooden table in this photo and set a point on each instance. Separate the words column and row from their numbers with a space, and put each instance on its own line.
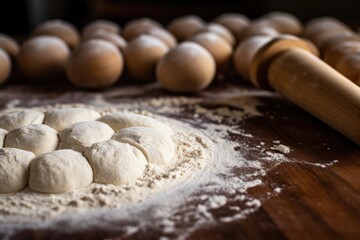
column 315, row 202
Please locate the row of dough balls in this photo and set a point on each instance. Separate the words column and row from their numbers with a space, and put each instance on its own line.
column 67, row 149
column 148, row 50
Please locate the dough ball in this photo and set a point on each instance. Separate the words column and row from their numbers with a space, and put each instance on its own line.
column 157, row 32
column 163, row 35
column 219, row 48
column 82, row 135
column 142, row 55
column 115, row 162
column 184, row 27
column 322, row 24
column 10, row 121
column 112, row 37
column 335, row 54
column 330, row 43
column 60, row 119
column 14, row 169
column 221, row 31
column 95, row 64
column 9, row 44
column 101, row 24
column 3, row 133
column 349, row 66
column 61, row 29
column 245, row 53
column 285, row 22
column 235, row 22
column 322, row 36
column 135, row 27
column 60, row 171
column 156, row 145
column 37, row 138
column 42, row 56
column 189, row 67
column 5, row 66
column 261, row 28
column 121, row 120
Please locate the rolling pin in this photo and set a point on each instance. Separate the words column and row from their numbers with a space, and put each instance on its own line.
column 287, row 65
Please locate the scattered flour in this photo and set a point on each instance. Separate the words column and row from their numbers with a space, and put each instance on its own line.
column 281, row 148
column 213, row 171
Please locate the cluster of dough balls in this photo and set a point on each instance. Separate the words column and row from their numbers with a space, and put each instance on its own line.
column 338, row 43
column 62, row 150
column 183, row 56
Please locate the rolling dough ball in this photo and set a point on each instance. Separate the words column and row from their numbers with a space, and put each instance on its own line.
column 339, row 51
column 156, row 145
column 95, row 64
column 9, row 44
column 235, row 22
column 184, row 27
column 121, row 120
column 59, row 119
column 135, row 27
column 189, row 67
column 285, row 22
column 42, row 56
column 141, row 56
column 218, row 47
column 221, row 31
column 12, row 120
column 14, row 169
column 112, row 37
column 60, row 171
column 3, row 133
column 5, row 66
column 245, row 52
column 61, row 29
column 115, row 162
column 36, row 138
column 82, row 135
column 101, row 24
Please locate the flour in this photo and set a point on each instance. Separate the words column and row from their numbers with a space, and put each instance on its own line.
column 213, row 172
column 281, row 148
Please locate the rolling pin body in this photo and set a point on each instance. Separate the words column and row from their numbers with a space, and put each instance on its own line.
column 287, row 66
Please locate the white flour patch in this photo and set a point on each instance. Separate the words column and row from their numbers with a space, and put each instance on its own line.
column 214, row 172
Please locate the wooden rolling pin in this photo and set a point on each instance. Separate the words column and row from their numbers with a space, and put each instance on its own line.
column 286, row 64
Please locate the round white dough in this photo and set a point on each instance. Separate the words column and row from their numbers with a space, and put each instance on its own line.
column 121, row 120
column 60, row 171
column 60, row 119
column 115, row 162
column 36, row 138
column 156, row 145
column 10, row 121
column 14, row 169
column 3, row 133
column 82, row 135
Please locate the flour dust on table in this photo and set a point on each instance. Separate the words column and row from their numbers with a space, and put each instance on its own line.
column 170, row 164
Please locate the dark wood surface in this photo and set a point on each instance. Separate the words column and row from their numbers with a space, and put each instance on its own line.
column 315, row 202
